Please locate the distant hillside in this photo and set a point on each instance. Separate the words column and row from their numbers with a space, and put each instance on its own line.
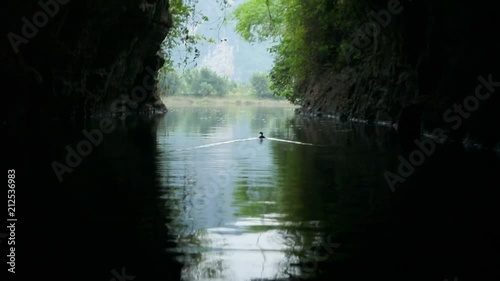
column 230, row 56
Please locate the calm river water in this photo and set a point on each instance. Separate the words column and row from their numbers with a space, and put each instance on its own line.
column 195, row 195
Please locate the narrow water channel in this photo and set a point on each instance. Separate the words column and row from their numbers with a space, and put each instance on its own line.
column 251, row 209
column 195, row 195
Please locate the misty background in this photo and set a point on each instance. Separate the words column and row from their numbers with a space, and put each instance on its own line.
column 229, row 55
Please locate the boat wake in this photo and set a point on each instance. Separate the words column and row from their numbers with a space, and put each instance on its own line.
column 295, row 142
column 240, row 140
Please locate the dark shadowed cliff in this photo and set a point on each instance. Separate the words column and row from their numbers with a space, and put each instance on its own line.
column 412, row 64
column 75, row 59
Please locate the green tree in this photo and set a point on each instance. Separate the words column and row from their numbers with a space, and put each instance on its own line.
column 185, row 19
column 205, row 82
column 308, row 36
column 260, row 86
column 260, row 20
column 207, row 90
column 170, row 84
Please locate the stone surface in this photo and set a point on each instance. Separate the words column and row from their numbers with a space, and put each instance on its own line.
column 429, row 56
column 90, row 58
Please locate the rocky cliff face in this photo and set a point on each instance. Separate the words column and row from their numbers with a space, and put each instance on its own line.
column 76, row 59
column 435, row 65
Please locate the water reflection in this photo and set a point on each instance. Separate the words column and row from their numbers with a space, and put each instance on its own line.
column 250, row 210
column 253, row 210
column 106, row 214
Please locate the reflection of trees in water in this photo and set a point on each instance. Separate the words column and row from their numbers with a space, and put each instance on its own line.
column 342, row 134
column 317, row 195
column 196, row 264
column 110, row 214
column 329, row 193
column 203, row 119
column 181, row 182
column 196, row 120
column 254, row 200
column 338, row 193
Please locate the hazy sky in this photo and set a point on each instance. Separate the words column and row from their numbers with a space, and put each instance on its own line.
column 230, row 55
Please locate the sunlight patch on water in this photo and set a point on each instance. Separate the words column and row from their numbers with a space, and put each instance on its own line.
column 235, row 254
